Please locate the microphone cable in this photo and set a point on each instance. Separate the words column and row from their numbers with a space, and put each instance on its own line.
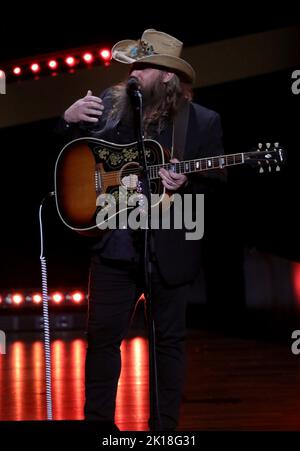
column 46, row 326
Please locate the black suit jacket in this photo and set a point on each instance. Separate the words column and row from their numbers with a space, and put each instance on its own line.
column 178, row 259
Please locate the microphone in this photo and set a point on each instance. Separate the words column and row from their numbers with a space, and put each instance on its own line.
column 132, row 86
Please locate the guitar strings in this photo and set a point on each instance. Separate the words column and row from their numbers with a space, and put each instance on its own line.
column 155, row 168
column 181, row 165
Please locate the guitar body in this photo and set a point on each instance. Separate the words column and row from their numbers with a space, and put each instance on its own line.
column 93, row 175
column 89, row 167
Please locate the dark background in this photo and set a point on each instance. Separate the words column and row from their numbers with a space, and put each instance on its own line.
column 259, row 212
column 36, row 33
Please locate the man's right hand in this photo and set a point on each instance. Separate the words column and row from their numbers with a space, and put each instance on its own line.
column 83, row 108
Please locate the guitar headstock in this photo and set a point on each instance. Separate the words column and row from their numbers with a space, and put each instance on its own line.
column 267, row 157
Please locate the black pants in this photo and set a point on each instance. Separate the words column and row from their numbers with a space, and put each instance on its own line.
column 113, row 290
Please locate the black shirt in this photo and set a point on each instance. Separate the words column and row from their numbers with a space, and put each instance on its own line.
column 124, row 244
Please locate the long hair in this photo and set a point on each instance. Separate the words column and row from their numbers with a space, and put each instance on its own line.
column 161, row 102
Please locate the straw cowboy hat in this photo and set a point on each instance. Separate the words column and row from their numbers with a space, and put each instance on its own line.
column 155, row 48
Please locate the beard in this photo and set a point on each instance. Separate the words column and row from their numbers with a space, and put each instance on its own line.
column 152, row 96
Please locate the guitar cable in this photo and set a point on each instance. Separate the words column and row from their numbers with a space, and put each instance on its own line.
column 47, row 347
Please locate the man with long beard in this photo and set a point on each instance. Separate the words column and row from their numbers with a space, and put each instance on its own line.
column 116, row 276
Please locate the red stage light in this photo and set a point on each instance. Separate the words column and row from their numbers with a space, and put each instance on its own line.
column 35, row 67
column 70, row 61
column 77, row 297
column 296, row 282
column 105, row 54
column 52, row 64
column 37, row 298
column 17, row 298
column 57, row 297
column 17, row 70
column 88, row 57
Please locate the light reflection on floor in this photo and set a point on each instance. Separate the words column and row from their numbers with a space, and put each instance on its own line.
column 22, row 381
column 232, row 383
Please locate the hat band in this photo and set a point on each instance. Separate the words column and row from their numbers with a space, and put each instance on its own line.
column 142, row 49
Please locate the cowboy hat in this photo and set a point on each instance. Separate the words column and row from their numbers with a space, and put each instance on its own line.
column 155, row 48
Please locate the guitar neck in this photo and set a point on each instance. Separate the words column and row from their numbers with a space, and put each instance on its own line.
column 199, row 165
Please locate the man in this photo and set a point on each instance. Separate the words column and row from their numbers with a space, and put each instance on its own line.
column 116, row 276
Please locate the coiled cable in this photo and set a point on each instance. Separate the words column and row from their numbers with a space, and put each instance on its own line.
column 46, row 325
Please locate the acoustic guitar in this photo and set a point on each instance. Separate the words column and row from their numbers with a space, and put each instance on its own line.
column 87, row 168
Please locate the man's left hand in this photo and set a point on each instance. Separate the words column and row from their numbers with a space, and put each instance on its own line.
column 171, row 180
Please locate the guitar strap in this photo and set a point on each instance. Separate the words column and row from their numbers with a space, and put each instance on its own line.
column 180, row 125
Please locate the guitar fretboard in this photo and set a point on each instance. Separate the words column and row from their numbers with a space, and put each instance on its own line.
column 199, row 165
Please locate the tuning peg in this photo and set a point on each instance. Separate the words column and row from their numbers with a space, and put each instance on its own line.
column 261, row 170
column 276, row 145
column 270, row 168
column 260, row 146
column 278, row 168
column 268, row 145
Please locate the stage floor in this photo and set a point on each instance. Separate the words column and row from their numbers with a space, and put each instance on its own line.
column 232, row 383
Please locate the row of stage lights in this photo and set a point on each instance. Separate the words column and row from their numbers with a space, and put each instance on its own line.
column 17, row 299
column 54, row 65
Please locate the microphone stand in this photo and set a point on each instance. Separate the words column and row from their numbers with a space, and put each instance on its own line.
column 155, row 420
